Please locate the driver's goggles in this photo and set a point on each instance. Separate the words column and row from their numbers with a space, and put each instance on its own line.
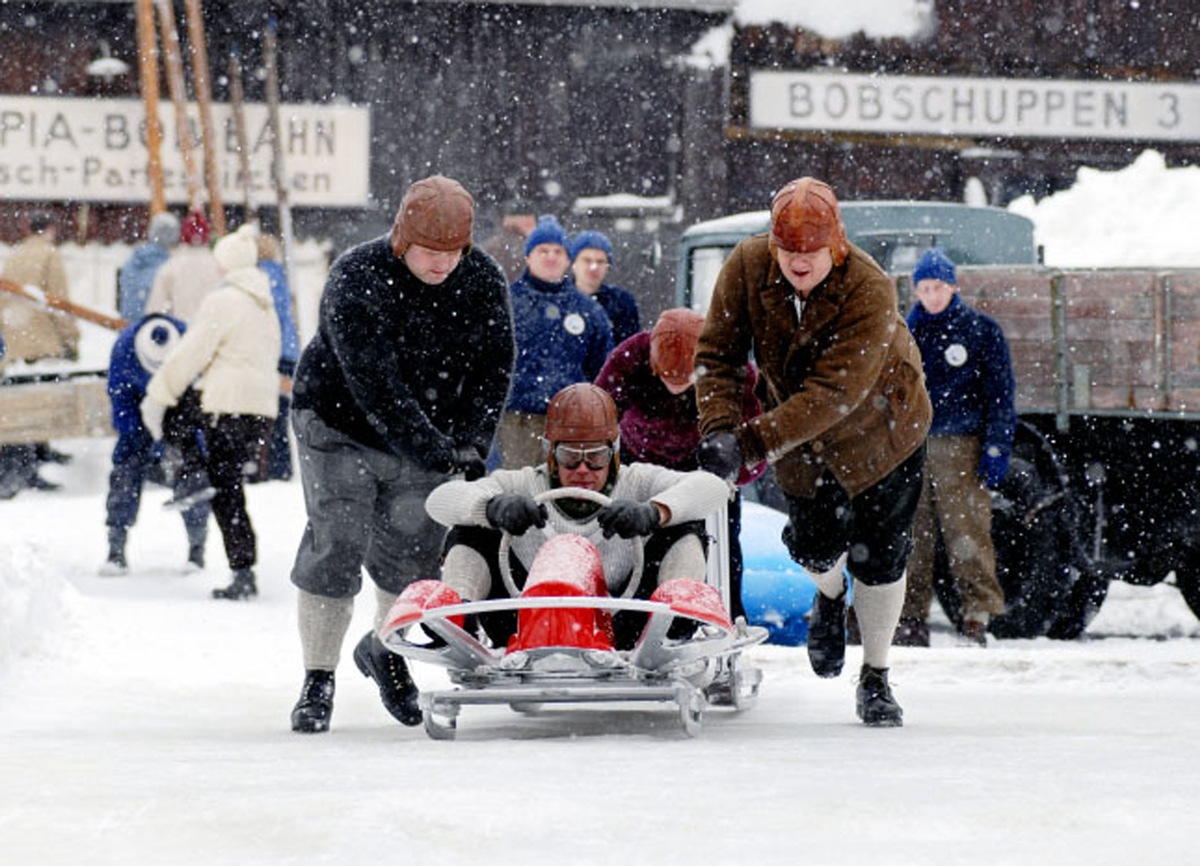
column 596, row 458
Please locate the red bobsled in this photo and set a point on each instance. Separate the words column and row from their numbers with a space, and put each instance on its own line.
column 562, row 651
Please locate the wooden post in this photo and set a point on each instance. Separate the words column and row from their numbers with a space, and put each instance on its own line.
column 198, row 44
column 148, row 81
column 278, row 172
column 237, row 102
column 178, row 90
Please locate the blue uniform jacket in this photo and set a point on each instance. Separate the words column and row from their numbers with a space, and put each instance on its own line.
column 968, row 373
column 563, row 337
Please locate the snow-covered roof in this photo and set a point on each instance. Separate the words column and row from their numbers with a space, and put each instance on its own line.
column 714, row 6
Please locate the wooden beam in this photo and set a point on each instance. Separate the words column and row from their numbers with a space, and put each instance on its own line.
column 113, row 323
column 237, row 103
column 178, row 90
column 148, row 82
column 198, row 45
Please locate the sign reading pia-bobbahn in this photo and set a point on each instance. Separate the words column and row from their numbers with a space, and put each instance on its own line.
column 72, row 149
column 999, row 107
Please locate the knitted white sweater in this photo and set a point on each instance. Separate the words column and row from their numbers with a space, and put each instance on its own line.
column 687, row 495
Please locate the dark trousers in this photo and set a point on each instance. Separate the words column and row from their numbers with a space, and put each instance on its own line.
column 135, row 461
column 875, row 527
column 232, row 445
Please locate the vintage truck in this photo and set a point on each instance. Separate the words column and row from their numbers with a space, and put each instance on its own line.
column 1105, row 480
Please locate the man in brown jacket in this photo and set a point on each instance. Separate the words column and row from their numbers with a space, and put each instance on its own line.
column 32, row 331
column 845, row 420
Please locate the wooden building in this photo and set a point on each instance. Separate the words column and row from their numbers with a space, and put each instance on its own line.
column 592, row 110
column 1016, row 45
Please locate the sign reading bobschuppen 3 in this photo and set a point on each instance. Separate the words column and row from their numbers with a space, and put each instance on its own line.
column 1010, row 107
column 95, row 150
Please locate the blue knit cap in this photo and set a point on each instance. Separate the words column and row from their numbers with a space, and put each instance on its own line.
column 935, row 265
column 591, row 241
column 547, row 231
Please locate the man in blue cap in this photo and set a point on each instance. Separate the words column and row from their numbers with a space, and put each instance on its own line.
column 562, row 337
column 591, row 257
column 968, row 373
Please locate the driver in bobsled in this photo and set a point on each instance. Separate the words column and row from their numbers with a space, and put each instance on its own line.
column 665, row 507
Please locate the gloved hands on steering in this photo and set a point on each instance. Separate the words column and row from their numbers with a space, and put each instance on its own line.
column 628, row 519
column 514, row 513
column 720, row 454
column 468, row 462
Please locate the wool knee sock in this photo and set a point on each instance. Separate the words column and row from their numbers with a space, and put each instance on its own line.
column 323, row 623
column 878, row 611
column 832, row 583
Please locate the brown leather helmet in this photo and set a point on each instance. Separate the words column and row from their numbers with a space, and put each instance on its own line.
column 582, row 412
column 436, row 213
column 805, row 218
column 673, row 343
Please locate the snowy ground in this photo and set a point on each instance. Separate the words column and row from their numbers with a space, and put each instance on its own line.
column 143, row 722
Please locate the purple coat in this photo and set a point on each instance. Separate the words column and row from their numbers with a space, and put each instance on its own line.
column 658, row 426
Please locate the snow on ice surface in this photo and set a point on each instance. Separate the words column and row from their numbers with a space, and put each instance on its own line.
column 143, row 722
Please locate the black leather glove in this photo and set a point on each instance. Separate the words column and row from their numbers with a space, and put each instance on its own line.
column 515, row 513
column 720, row 454
column 468, row 462
column 627, row 519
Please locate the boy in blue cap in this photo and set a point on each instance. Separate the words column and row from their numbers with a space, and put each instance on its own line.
column 591, row 257
column 968, row 373
column 562, row 337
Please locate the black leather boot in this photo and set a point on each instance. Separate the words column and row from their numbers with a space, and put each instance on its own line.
column 311, row 713
column 115, row 564
column 827, row 635
column 875, row 704
column 396, row 687
column 242, row 586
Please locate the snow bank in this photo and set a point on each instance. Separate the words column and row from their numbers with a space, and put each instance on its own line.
column 833, row 19
column 837, row 19
column 35, row 601
column 1144, row 215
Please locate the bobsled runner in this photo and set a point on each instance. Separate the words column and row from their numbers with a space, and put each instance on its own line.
column 562, row 652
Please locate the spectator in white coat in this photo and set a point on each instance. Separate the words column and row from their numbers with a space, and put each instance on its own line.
column 231, row 352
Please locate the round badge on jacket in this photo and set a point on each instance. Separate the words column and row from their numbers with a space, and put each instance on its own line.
column 574, row 324
column 956, row 354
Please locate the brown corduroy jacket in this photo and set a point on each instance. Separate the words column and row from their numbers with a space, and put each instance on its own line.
column 842, row 389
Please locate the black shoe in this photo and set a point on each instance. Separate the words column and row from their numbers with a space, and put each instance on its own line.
column 46, row 454
column 911, row 632
column 115, row 564
column 37, row 482
column 191, row 490
column 311, row 713
column 875, row 704
column 242, row 586
column 827, row 635
column 195, row 560
column 396, row 687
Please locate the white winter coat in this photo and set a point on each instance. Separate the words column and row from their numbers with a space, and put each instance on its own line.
column 687, row 495
column 180, row 286
column 232, row 345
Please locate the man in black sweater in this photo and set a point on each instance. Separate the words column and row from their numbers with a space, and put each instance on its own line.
column 400, row 388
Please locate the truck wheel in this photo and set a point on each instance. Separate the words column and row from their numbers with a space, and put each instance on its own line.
column 1033, row 531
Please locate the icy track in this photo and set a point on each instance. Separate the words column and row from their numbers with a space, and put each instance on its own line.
column 141, row 722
